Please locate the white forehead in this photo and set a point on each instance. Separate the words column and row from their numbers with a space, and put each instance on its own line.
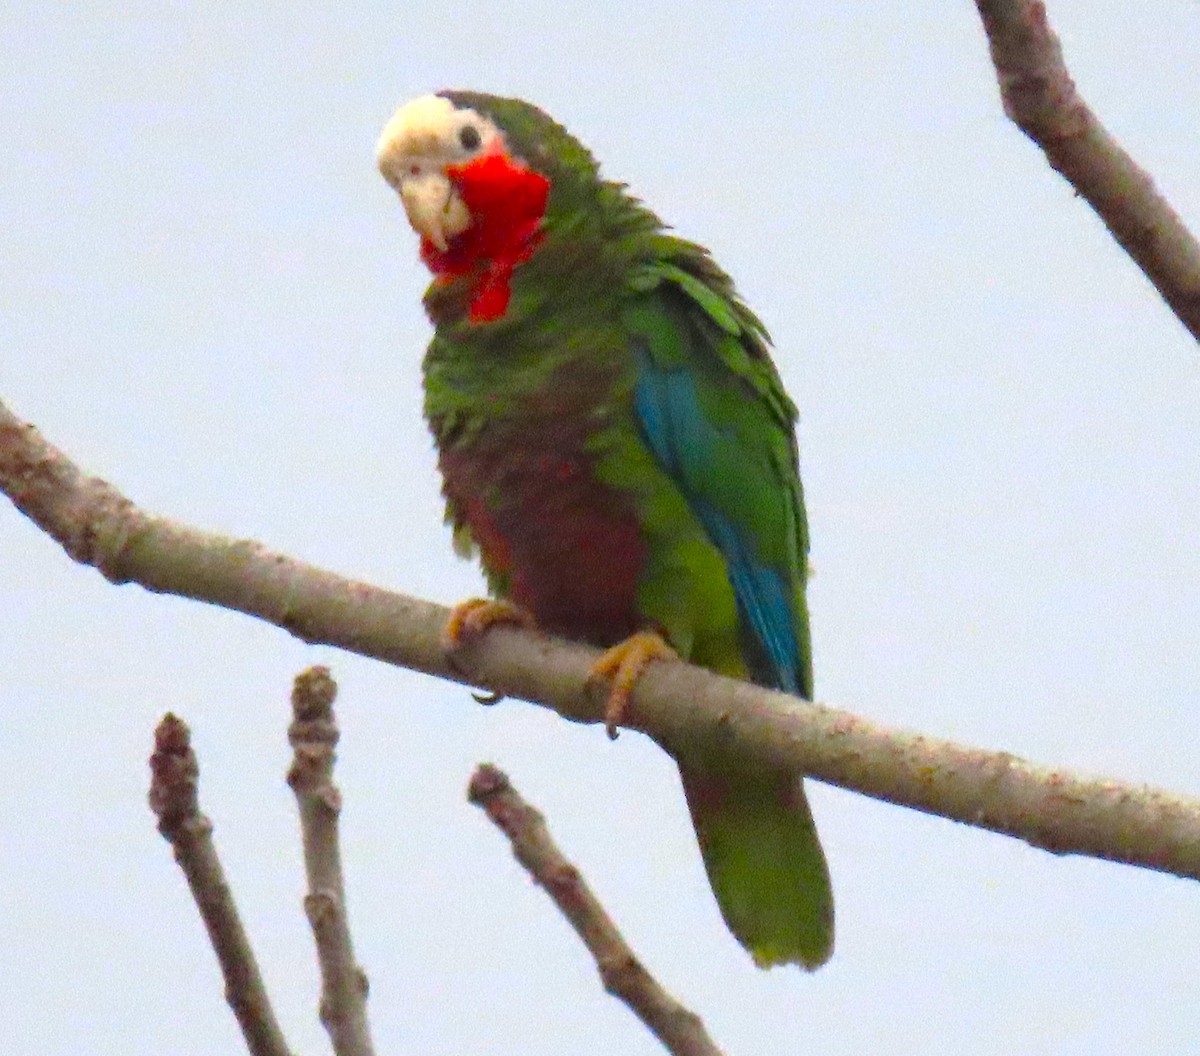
column 426, row 120
column 428, row 127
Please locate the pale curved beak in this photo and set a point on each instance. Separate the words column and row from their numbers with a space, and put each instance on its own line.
column 433, row 207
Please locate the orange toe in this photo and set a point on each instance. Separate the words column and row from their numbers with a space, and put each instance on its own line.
column 469, row 619
column 624, row 664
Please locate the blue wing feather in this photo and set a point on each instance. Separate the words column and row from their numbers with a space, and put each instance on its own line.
column 675, row 427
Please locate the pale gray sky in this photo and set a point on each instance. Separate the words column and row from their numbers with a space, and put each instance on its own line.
column 208, row 296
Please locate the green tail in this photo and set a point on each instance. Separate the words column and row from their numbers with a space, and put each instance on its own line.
column 765, row 864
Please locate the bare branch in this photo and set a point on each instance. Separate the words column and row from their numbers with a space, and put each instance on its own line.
column 313, row 734
column 679, row 1029
column 675, row 704
column 1041, row 98
column 173, row 799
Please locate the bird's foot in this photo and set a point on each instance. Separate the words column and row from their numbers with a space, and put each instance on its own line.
column 469, row 619
column 624, row 664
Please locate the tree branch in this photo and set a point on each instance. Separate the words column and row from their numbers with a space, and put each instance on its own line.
column 1040, row 97
column 313, row 735
column 679, row 1029
column 173, row 799
column 676, row 704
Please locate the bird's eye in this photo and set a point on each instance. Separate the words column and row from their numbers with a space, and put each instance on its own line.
column 469, row 137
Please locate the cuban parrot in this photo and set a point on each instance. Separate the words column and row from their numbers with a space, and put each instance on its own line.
column 618, row 450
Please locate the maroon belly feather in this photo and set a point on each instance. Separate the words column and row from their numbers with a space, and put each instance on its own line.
column 571, row 545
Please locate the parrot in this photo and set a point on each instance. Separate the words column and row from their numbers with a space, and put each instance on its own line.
column 617, row 449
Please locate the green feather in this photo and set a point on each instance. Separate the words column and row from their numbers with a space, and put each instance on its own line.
column 760, row 846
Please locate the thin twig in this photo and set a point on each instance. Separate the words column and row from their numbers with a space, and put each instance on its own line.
column 313, row 735
column 676, row 704
column 1040, row 97
column 173, row 799
column 624, row 976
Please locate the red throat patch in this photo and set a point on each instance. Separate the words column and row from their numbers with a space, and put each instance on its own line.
column 506, row 200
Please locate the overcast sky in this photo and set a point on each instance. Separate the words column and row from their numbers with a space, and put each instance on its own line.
column 209, row 297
